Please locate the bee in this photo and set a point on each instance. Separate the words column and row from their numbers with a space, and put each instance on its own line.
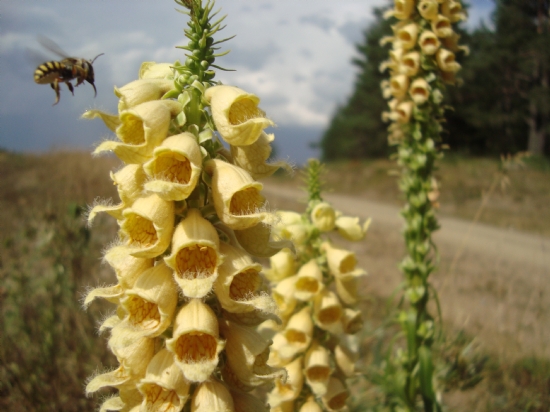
column 53, row 72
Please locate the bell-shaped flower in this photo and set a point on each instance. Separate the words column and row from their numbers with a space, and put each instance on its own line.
column 347, row 289
column 298, row 334
column 212, row 396
column 245, row 402
column 154, row 70
column 236, row 114
column 309, row 281
column 317, row 368
column 289, row 389
column 410, row 64
column 323, row 216
column 341, row 262
column 253, row 158
column 237, row 197
column 129, row 182
column 175, row 167
column 336, row 396
column 195, row 255
column 346, row 360
column 452, row 9
column 146, row 228
column 112, row 121
column 310, row 406
column 141, row 91
column 239, row 284
column 257, row 241
column 151, row 302
column 142, row 128
column 402, row 10
column 349, row 228
column 429, row 43
column 399, row 86
column 196, row 342
column 407, row 36
column 281, row 266
column 420, row 91
column 442, row 27
column 128, row 399
column 446, row 61
column 428, row 9
column 352, row 321
column 164, row 388
column 328, row 312
column 247, row 353
column 284, row 297
column 451, row 43
column 404, row 111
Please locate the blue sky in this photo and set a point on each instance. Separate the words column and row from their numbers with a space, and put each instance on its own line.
column 294, row 54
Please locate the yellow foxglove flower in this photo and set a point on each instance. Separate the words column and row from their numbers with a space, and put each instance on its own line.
column 257, row 241
column 281, row 266
column 236, row 114
column 175, row 167
column 428, row 9
column 446, row 61
column 341, row 262
column 151, row 302
column 452, row 9
column 323, row 217
column 420, row 91
column 407, row 36
column 142, row 129
column 345, row 360
column 429, row 43
column 253, row 158
column 147, row 226
column 402, row 10
column 112, row 121
column 399, row 86
column 410, row 64
column 336, row 396
column 196, row 341
column 350, row 229
column 239, row 284
column 129, row 182
column 247, row 353
column 403, row 112
column 352, row 321
column 195, row 255
column 310, row 406
column 245, row 402
column 309, row 281
column 317, row 368
column 128, row 399
column 289, row 389
column 298, row 334
column 212, row 396
column 441, row 26
column 347, row 290
column 164, row 388
column 127, row 268
column 141, row 91
column 237, row 197
column 153, row 70
column 451, row 43
column 328, row 312
column 283, row 294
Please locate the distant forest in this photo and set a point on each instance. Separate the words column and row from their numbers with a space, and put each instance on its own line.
column 503, row 105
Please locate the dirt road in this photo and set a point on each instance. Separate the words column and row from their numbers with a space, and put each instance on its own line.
column 492, row 283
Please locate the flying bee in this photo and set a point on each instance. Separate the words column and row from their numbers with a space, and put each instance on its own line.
column 53, row 72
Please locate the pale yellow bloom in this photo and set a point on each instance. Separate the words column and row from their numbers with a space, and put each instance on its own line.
column 151, row 302
column 352, row 321
column 298, row 334
column 257, row 241
column 451, row 43
column 141, row 91
column 289, row 389
column 310, row 406
column 283, row 294
column 175, row 167
column 236, row 195
column 281, row 266
column 142, row 128
column 347, row 290
column 239, row 287
column 402, row 10
column 196, row 341
column 341, row 262
column 429, row 9
column 323, row 216
column 429, row 43
column 164, row 388
column 317, row 368
column 236, row 114
column 446, row 61
column 153, row 70
column 404, row 111
column 399, row 86
column 346, row 360
column 128, row 399
column 442, row 27
column 336, row 396
column 195, row 255
column 212, row 396
column 309, row 281
column 112, row 121
column 452, row 9
column 407, row 35
column 328, row 312
column 350, row 229
column 420, row 91
column 129, row 182
column 410, row 64
column 146, row 228
column 253, row 158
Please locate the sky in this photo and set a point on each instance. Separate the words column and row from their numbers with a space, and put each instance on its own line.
column 295, row 55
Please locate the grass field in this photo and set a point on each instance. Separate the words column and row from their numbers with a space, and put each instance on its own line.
column 49, row 345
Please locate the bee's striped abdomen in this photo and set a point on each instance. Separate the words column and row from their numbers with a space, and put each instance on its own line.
column 48, row 72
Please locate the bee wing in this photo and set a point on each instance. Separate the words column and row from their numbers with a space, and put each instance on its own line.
column 52, row 46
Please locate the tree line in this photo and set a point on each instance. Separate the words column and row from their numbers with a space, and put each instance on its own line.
column 503, row 105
